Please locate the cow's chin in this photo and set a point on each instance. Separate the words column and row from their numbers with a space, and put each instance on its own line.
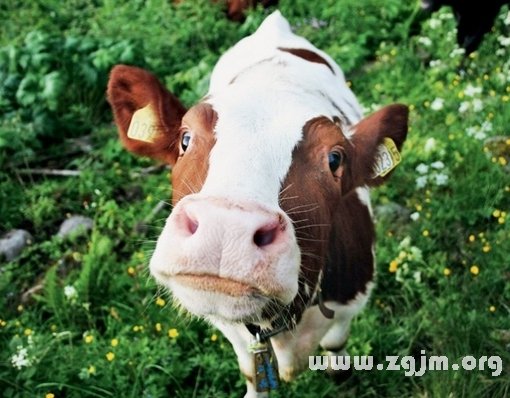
column 214, row 298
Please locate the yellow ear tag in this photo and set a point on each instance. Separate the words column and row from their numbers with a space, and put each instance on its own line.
column 386, row 158
column 144, row 125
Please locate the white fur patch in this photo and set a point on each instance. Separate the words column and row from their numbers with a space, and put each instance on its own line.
column 263, row 97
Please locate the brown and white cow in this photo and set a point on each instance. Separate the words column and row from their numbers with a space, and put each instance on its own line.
column 272, row 225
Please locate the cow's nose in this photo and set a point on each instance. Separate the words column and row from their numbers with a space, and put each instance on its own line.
column 206, row 220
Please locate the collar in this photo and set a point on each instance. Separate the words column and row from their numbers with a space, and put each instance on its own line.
column 283, row 323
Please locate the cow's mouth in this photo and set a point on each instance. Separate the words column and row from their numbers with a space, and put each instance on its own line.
column 213, row 283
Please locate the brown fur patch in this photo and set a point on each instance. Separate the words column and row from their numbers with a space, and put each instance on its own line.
column 307, row 55
column 190, row 171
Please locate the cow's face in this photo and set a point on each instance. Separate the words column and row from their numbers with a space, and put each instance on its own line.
column 260, row 168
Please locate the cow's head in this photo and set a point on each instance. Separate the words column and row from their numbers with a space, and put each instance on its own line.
column 260, row 168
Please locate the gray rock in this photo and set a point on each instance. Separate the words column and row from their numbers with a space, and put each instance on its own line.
column 75, row 225
column 13, row 242
column 392, row 212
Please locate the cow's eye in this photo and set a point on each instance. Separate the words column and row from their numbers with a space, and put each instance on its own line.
column 335, row 159
column 185, row 140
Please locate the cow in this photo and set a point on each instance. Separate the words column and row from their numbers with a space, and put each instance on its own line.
column 271, row 237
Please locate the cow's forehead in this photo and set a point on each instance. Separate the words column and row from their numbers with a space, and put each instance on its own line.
column 263, row 96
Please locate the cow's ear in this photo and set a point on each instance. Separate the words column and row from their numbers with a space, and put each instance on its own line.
column 147, row 115
column 377, row 140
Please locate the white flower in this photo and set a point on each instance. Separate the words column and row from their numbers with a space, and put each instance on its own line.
column 480, row 135
column 434, row 23
column 441, row 179
column 486, row 126
column 422, row 168
column 70, row 292
column 471, row 90
column 406, row 242
column 504, row 41
column 20, row 359
column 421, row 181
column 464, row 106
column 430, row 144
column 437, row 104
column 477, row 105
column 435, row 63
column 437, row 165
column 425, row 41
column 500, row 52
column 476, row 132
column 457, row 52
column 506, row 21
column 415, row 216
column 445, row 16
column 417, row 276
column 415, row 253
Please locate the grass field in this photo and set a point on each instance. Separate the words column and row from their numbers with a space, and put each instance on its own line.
column 96, row 325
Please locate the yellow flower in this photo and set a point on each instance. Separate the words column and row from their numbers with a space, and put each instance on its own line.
column 501, row 220
column 160, row 302
column 158, row 327
column 472, row 238
column 131, row 271
column 88, row 338
column 2, row 323
column 418, row 207
column 447, row 271
column 474, row 270
column 138, row 328
column 27, row 332
column 496, row 213
column 53, row 328
column 91, row 370
column 486, row 248
column 425, row 232
column 492, row 308
column 214, row 337
column 50, row 395
column 393, row 266
column 173, row 333
column 115, row 342
column 20, row 308
column 502, row 161
column 110, row 356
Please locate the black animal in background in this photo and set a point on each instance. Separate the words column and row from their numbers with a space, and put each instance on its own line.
column 474, row 18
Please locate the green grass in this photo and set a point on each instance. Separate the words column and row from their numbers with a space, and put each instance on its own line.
column 115, row 333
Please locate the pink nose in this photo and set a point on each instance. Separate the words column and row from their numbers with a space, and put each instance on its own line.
column 213, row 219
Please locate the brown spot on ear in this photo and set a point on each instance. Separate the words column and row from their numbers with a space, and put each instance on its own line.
column 131, row 88
column 307, row 55
column 390, row 121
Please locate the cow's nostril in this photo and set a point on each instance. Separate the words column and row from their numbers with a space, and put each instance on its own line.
column 189, row 224
column 192, row 226
column 265, row 236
